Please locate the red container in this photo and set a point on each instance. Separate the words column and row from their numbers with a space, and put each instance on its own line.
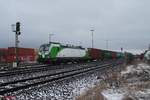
column 95, row 54
column 11, row 51
column 3, row 55
column 9, row 55
column 10, row 58
column 114, row 55
column 25, row 54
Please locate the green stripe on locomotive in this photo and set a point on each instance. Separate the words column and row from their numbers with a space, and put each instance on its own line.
column 53, row 53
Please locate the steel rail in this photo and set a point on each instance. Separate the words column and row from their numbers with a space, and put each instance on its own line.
column 60, row 75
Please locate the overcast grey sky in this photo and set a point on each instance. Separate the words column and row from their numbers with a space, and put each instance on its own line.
column 125, row 23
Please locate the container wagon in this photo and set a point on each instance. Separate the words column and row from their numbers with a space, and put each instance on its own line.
column 24, row 54
column 129, row 57
column 106, row 54
column 114, row 55
column 95, row 54
column 8, row 55
column 3, row 55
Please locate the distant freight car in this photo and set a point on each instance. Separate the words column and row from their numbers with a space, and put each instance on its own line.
column 8, row 55
column 120, row 55
column 114, row 55
column 99, row 54
column 107, row 54
column 129, row 57
column 95, row 54
column 24, row 54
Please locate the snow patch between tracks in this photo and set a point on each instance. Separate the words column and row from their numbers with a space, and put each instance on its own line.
column 64, row 90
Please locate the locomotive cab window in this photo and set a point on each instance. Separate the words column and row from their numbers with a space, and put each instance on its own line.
column 44, row 47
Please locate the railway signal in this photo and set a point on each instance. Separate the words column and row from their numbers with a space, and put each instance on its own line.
column 18, row 26
column 17, row 31
column 121, row 49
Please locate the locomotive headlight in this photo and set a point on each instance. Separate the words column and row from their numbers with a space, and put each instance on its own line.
column 46, row 53
column 40, row 53
column 43, row 56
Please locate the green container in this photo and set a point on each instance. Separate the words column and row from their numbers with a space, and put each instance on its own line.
column 106, row 54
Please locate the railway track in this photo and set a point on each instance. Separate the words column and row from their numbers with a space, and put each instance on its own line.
column 39, row 68
column 34, row 81
column 3, row 66
column 23, row 70
column 8, row 67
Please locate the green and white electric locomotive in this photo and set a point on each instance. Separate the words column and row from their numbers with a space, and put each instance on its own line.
column 56, row 52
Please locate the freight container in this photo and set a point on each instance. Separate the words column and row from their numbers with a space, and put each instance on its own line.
column 24, row 55
column 114, row 55
column 106, row 54
column 120, row 55
column 3, row 54
column 95, row 54
column 21, row 51
column 129, row 57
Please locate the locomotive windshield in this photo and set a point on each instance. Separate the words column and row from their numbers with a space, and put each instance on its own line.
column 44, row 47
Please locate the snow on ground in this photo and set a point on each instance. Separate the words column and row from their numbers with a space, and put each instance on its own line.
column 138, row 69
column 136, row 84
column 63, row 90
column 142, row 94
column 34, row 74
column 111, row 94
column 129, row 69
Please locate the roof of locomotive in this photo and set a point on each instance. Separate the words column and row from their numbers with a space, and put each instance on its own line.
column 67, row 45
